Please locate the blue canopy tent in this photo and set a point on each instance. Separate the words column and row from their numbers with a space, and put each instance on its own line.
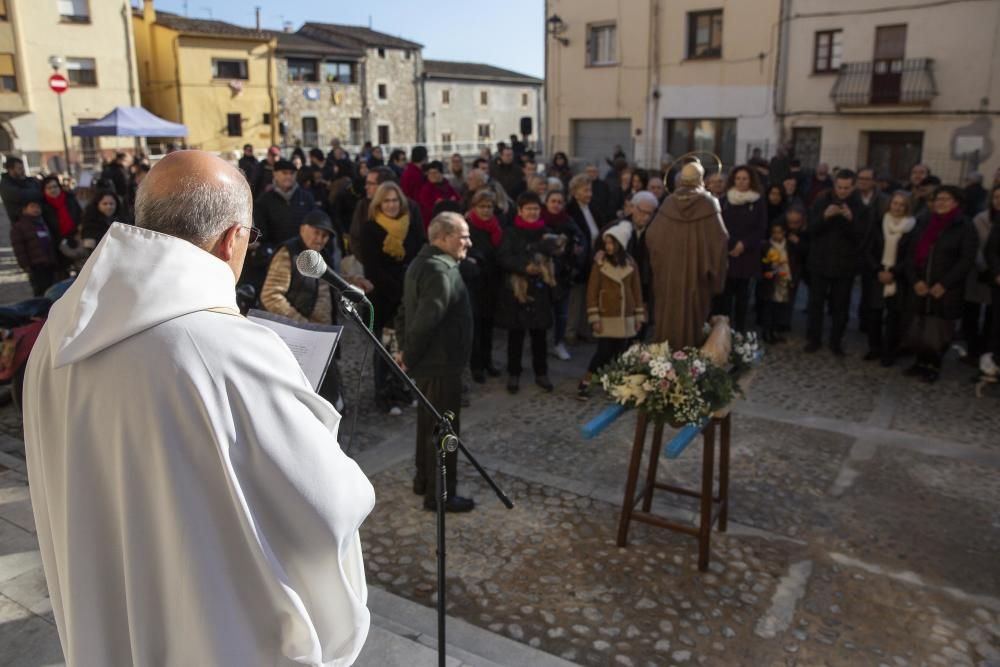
column 130, row 122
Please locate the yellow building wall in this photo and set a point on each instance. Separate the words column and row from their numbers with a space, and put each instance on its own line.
column 36, row 34
column 578, row 91
column 206, row 102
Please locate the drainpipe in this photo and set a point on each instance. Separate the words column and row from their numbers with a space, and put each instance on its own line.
column 780, row 91
column 271, row 46
column 177, row 78
column 653, row 83
column 129, row 52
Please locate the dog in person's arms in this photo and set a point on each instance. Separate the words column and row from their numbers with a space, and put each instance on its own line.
column 550, row 245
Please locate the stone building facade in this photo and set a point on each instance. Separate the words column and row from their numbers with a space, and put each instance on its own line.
column 470, row 105
column 390, row 107
column 319, row 94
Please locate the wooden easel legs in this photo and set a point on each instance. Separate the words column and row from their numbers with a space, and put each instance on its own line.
column 707, row 498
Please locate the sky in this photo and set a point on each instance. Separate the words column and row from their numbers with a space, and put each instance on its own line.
column 508, row 33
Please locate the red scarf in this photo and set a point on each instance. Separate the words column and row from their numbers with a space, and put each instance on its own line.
column 66, row 224
column 937, row 225
column 491, row 226
column 555, row 219
column 521, row 223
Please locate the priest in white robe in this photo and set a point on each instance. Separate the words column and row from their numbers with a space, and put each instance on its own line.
column 192, row 503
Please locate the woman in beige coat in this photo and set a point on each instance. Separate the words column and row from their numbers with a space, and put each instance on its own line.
column 615, row 309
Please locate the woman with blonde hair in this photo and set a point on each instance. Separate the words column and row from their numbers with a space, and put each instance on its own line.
column 390, row 239
column 889, row 245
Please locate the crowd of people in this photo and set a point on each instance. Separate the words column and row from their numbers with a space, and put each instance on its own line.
column 560, row 255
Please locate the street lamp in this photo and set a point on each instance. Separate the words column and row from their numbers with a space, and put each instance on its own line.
column 57, row 62
column 556, row 26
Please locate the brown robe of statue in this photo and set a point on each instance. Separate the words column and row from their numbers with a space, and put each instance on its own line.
column 688, row 254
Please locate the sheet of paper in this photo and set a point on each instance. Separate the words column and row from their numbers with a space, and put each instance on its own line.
column 312, row 345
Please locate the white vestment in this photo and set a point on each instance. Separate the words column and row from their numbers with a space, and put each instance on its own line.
column 193, row 506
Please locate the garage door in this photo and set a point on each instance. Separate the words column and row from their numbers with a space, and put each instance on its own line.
column 594, row 140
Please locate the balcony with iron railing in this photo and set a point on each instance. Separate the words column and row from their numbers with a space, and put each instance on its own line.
column 896, row 82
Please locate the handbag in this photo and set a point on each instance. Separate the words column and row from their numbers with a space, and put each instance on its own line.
column 928, row 335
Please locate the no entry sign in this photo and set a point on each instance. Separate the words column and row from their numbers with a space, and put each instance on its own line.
column 58, row 83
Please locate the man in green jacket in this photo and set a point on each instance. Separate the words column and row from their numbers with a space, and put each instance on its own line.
column 434, row 329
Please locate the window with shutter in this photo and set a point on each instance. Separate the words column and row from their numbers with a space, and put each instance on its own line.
column 8, row 76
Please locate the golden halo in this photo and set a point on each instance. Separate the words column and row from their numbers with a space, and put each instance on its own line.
column 695, row 154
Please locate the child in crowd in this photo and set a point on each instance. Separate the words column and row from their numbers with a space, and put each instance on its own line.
column 777, row 284
column 614, row 301
column 796, row 245
column 34, row 247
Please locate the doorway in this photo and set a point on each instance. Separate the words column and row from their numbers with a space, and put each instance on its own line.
column 894, row 153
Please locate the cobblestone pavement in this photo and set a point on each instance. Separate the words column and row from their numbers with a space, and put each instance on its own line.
column 864, row 522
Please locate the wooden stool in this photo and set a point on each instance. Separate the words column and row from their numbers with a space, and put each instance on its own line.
column 707, row 517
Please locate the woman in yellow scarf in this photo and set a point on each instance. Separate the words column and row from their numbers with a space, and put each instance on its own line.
column 387, row 245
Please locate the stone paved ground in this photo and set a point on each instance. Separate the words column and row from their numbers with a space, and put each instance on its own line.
column 864, row 522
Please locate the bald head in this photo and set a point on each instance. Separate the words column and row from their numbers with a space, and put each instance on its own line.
column 194, row 196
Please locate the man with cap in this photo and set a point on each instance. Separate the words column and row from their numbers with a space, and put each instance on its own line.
column 288, row 293
column 16, row 187
column 434, row 189
column 279, row 211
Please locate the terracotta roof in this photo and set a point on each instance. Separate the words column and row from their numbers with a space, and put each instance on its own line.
column 447, row 69
column 355, row 36
column 295, row 44
column 207, row 27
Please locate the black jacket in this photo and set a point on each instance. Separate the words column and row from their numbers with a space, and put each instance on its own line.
column 249, row 166
column 835, row 243
column 584, row 261
column 746, row 223
column 16, row 191
column 385, row 272
column 872, row 258
column 279, row 219
column 517, row 251
column 510, row 177
column 52, row 217
column 992, row 254
column 434, row 322
column 951, row 258
column 484, row 281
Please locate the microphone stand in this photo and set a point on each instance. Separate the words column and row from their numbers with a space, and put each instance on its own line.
column 447, row 442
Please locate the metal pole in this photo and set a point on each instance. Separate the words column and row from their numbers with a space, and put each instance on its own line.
column 62, row 125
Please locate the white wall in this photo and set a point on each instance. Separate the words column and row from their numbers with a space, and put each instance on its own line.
column 749, row 105
column 464, row 112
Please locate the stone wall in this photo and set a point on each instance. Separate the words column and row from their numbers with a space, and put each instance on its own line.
column 337, row 104
column 401, row 110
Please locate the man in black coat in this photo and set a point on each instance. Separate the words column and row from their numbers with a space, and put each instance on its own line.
column 116, row 176
column 248, row 164
column 434, row 328
column 265, row 172
column 836, row 231
column 873, row 204
column 16, row 188
column 508, row 172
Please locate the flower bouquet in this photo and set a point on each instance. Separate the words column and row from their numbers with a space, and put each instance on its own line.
column 673, row 386
column 683, row 386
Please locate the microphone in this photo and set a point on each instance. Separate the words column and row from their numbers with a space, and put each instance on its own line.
column 311, row 264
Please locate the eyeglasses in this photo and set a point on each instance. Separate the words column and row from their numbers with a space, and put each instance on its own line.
column 254, row 233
